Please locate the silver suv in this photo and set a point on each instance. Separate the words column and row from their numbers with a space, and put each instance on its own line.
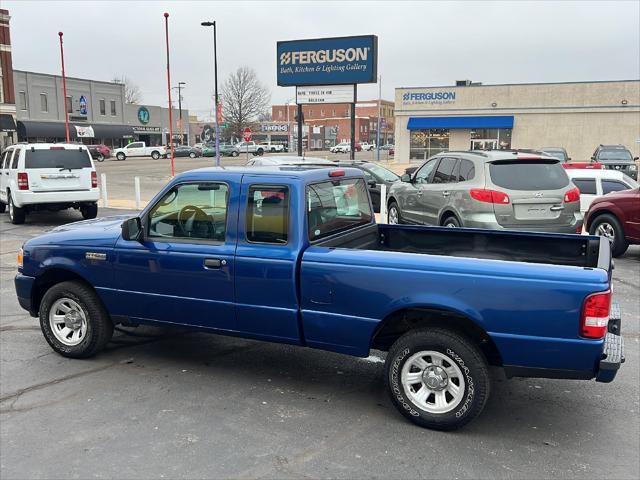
column 495, row 190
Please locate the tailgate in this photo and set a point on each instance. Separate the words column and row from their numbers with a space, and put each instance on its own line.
column 58, row 169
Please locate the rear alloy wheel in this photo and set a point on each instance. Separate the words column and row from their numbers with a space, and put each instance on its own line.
column 192, row 155
column 17, row 215
column 100, row 157
column 608, row 226
column 451, row 222
column 393, row 214
column 234, row 153
column 121, row 156
column 155, row 155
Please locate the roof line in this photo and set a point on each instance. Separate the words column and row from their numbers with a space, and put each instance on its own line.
column 516, row 84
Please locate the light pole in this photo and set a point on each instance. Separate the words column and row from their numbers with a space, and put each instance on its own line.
column 179, row 88
column 288, row 126
column 379, row 113
column 64, row 89
column 166, row 25
column 215, row 81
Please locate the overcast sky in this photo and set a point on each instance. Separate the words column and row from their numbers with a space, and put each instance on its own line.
column 420, row 43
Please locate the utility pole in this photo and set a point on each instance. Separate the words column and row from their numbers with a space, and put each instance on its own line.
column 166, row 25
column 64, row 89
column 215, row 81
column 179, row 88
column 379, row 113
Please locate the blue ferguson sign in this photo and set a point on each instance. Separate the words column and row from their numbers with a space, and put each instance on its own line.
column 328, row 61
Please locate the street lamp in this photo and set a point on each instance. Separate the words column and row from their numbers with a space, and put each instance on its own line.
column 215, row 80
column 64, row 88
column 179, row 88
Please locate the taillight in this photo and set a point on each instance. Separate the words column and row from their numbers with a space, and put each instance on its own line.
column 595, row 315
column 94, row 180
column 23, row 181
column 572, row 196
column 489, row 196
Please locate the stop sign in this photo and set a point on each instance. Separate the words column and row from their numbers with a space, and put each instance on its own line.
column 247, row 134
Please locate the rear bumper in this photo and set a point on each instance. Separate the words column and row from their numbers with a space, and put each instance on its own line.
column 34, row 198
column 613, row 351
column 24, row 286
column 488, row 221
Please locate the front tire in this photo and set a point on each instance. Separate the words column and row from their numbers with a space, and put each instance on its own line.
column 17, row 215
column 393, row 214
column 437, row 378
column 89, row 211
column 608, row 226
column 73, row 320
column 192, row 155
column 234, row 154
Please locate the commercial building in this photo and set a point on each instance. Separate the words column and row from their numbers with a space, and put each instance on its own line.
column 97, row 112
column 7, row 98
column 575, row 115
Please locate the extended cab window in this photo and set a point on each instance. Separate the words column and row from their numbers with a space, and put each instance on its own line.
column 335, row 206
column 57, row 158
column 268, row 214
column 191, row 211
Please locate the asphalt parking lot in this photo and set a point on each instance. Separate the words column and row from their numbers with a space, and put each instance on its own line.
column 177, row 404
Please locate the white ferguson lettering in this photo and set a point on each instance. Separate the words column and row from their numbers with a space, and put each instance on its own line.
column 337, row 55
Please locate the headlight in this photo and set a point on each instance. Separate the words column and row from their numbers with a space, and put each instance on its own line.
column 20, row 258
column 632, row 167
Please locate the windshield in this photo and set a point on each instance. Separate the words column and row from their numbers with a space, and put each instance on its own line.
column 383, row 173
column 524, row 175
column 559, row 154
column 57, row 159
column 612, row 155
column 335, row 206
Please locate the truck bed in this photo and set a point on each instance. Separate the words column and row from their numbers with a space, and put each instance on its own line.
column 531, row 247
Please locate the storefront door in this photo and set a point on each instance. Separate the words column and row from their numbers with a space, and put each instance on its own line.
column 483, row 144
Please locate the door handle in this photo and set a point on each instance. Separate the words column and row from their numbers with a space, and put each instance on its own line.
column 214, row 263
column 556, row 208
column 445, row 194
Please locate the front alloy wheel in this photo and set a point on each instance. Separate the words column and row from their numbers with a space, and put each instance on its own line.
column 393, row 214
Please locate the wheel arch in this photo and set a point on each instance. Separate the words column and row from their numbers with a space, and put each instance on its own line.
column 598, row 213
column 50, row 277
column 449, row 212
column 401, row 321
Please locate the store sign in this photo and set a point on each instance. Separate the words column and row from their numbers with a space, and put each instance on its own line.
column 327, row 61
column 274, row 127
column 83, row 105
column 428, row 98
column 143, row 115
column 145, row 129
column 84, row 132
column 325, row 94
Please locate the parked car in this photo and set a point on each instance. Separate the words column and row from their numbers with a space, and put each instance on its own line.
column 226, row 150
column 99, row 152
column 616, row 216
column 366, row 146
column 616, row 157
column 186, row 151
column 295, row 256
column 250, row 147
column 47, row 176
column 595, row 183
column 557, row 152
column 140, row 149
column 288, row 160
column 345, row 147
column 488, row 189
column 272, row 147
column 375, row 176
column 388, row 146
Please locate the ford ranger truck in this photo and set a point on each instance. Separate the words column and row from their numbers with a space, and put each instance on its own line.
column 293, row 255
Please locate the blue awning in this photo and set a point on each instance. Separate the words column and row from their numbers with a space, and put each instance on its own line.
column 419, row 123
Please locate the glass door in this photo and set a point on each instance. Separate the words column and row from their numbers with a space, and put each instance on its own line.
column 484, row 144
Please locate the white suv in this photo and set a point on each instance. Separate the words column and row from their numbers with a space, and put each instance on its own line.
column 47, row 176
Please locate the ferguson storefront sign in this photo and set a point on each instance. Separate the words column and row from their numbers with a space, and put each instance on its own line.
column 274, row 127
column 328, row 61
column 428, row 98
column 325, row 94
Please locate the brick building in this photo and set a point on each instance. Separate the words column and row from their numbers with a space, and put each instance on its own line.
column 330, row 123
column 7, row 95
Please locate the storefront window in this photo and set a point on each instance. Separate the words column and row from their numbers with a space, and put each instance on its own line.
column 426, row 143
column 490, row 139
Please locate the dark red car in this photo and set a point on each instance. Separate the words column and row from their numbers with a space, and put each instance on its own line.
column 617, row 217
column 99, row 152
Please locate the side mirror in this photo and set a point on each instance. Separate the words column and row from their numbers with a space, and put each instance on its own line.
column 372, row 183
column 132, row 229
column 636, row 158
column 568, row 159
column 406, row 178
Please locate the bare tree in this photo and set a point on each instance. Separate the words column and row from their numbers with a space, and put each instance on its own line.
column 132, row 93
column 244, row 99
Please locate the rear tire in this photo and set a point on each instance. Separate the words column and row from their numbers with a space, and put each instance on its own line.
column 393, row 214
column 155, row 155
column 121, row 156
column 86, row 315
column 451, row 222
column 17, row 215
column 100, row 157
column 234, row 154
column 89, row 211
column 437, row 378
column 608, row 226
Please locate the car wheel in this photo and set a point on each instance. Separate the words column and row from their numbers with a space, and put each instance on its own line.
column 234, row 154
column 17, row 215
column 393, row 214
column 437, row 378
column 155, row 155
column 73, row 320
column 192, row 155
column 451, row 222
column 89, row 211
column 608, row 226
column 121, row 156
column 260, row 152
column 100, row 157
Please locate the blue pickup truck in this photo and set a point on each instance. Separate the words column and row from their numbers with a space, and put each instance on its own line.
column 294, row 255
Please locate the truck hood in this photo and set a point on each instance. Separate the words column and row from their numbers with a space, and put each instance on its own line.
column 98, row 232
